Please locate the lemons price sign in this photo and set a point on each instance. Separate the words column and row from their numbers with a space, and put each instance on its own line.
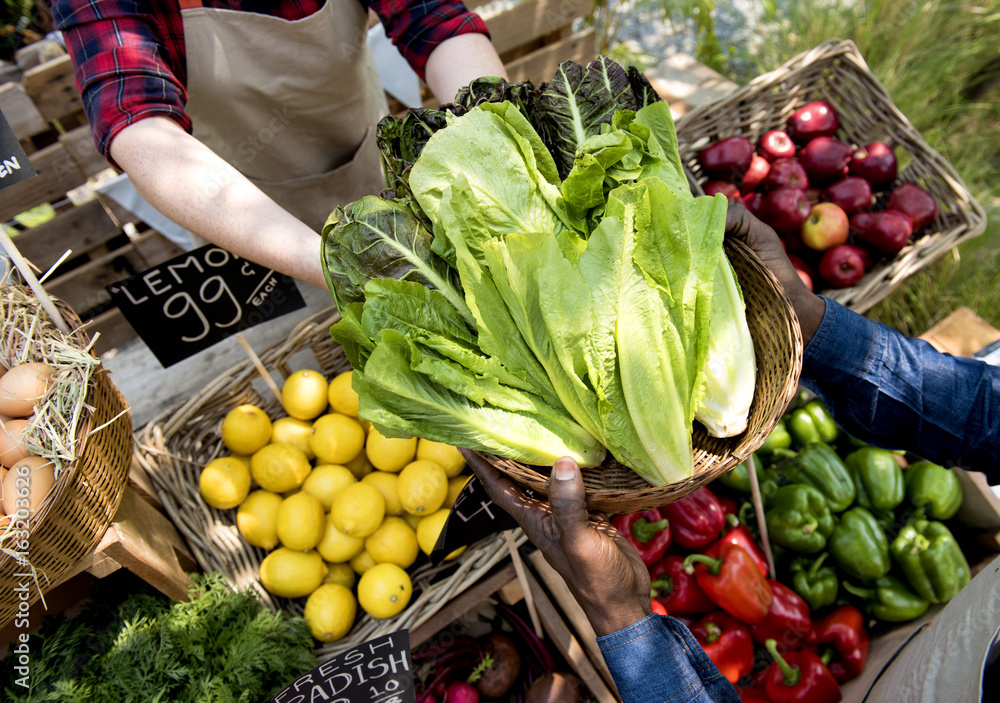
column 378, row 671
column 14, row 164
column 196, row 300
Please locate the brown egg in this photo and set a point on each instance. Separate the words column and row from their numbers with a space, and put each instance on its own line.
column 22, row 387
column 30, row 478
column 12, row 447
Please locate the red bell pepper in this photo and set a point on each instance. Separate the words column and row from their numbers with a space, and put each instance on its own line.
column 648, row 532
column 676, row 589
column 658, row 607
column 730, row 509
column 787, row 620
column 799, row 677
column 733, row 582
column 696, row 519
column 752, row 695
column 844, row 629
column 727, row 643
column 741, row 535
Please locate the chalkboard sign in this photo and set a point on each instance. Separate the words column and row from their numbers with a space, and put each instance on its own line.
column 199, row 298
column 14, row 164
column 472, row 517
column 378, row 671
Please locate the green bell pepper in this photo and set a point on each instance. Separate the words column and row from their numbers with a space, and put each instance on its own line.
column 803, row 428
column 878, row 478
column 799, row 518
column 890, row 600
column 859, row 545
column 778, row 439
column 820, row 467
column 813, row 423
column 817, row 584
column 931, row 559
column 934, row 488
column 739, row 478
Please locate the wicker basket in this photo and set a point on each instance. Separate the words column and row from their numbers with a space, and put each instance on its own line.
column 613, row 488
column 175, row 446
column 836, row 72
column 78, row 510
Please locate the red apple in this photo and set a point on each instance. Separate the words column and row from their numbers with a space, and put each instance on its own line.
column 914, row 202
column 756, row 174
column 826, row 227
column 814, row 195
column 825, row 159
column 804, row 270
column 785, row 209
column 842, row 266
column 786, row 173
column 853, row 194
column 817, row 119
column 728, row 159
column 886, row 231
column 752, row 202
column 875, row 162
column 776, row 145
column 725, row 187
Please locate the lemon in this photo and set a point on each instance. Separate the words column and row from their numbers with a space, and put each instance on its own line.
column 224, row 483
column 428, row 530
column 362, row 562
column 340, row 573
column 360, row 466
column 291, row 430
column 279, row 467
column 301, row 521
column 246, row 429
column 338, row 547
column 386, row 485
column 330, row 612
column 337, row 438
column 341, row 395
column 292, row 574
column 422, row 487
column 358, row 510
column 394, row 542
column 455, row 486
column 243, row 459
column 411, row 519
column 257, row 519
column 367, row 426
column 444, row 455
column 387, row 453
column 304, row 394
column 384, row 590
column 325, row 480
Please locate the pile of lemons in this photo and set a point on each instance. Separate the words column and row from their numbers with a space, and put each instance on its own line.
column 333, row 499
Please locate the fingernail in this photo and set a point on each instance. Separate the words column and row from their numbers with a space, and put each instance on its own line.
column 564, row 469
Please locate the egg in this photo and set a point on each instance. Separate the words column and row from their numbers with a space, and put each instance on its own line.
column 31, row 478
column 22, row 387
column 12, row 446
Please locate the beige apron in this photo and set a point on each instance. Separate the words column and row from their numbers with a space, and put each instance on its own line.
column 291, row 104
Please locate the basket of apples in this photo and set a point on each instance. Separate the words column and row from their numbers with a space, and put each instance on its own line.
column 817, row 150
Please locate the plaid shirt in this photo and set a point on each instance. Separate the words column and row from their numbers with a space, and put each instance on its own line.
column 129, row 54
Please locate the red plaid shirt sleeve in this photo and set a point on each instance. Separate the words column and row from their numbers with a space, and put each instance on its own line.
column 129, row 54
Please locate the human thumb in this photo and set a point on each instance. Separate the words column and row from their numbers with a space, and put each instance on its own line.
column 566, row 497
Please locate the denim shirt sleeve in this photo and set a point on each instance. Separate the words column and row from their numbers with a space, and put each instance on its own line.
column 658, row 659
column 901, row 393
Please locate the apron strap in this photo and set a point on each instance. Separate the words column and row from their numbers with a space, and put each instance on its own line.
column 190, row 4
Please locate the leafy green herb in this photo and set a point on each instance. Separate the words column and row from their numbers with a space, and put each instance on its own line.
column 485, row 663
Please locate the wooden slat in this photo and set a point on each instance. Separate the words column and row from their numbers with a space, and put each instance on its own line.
column 52, row 86
column 532, row 20
column 114, row 330
column 79, row 228
column 57, row 173
column 80, row 146
column 22, row 114
column 154, row 249
column 539, row 66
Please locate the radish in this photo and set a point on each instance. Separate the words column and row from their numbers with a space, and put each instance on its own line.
column 461, row 692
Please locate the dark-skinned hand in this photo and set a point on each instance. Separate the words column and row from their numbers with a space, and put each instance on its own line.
column 740, row 223
column 603, row 571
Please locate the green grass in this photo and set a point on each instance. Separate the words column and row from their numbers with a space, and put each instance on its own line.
column 930, row 56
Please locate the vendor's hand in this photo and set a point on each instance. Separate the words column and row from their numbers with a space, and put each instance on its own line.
column 601, row 568
column 740, row 223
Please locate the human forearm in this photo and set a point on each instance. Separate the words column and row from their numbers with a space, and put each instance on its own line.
column 190, row 184
column 458, row 61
